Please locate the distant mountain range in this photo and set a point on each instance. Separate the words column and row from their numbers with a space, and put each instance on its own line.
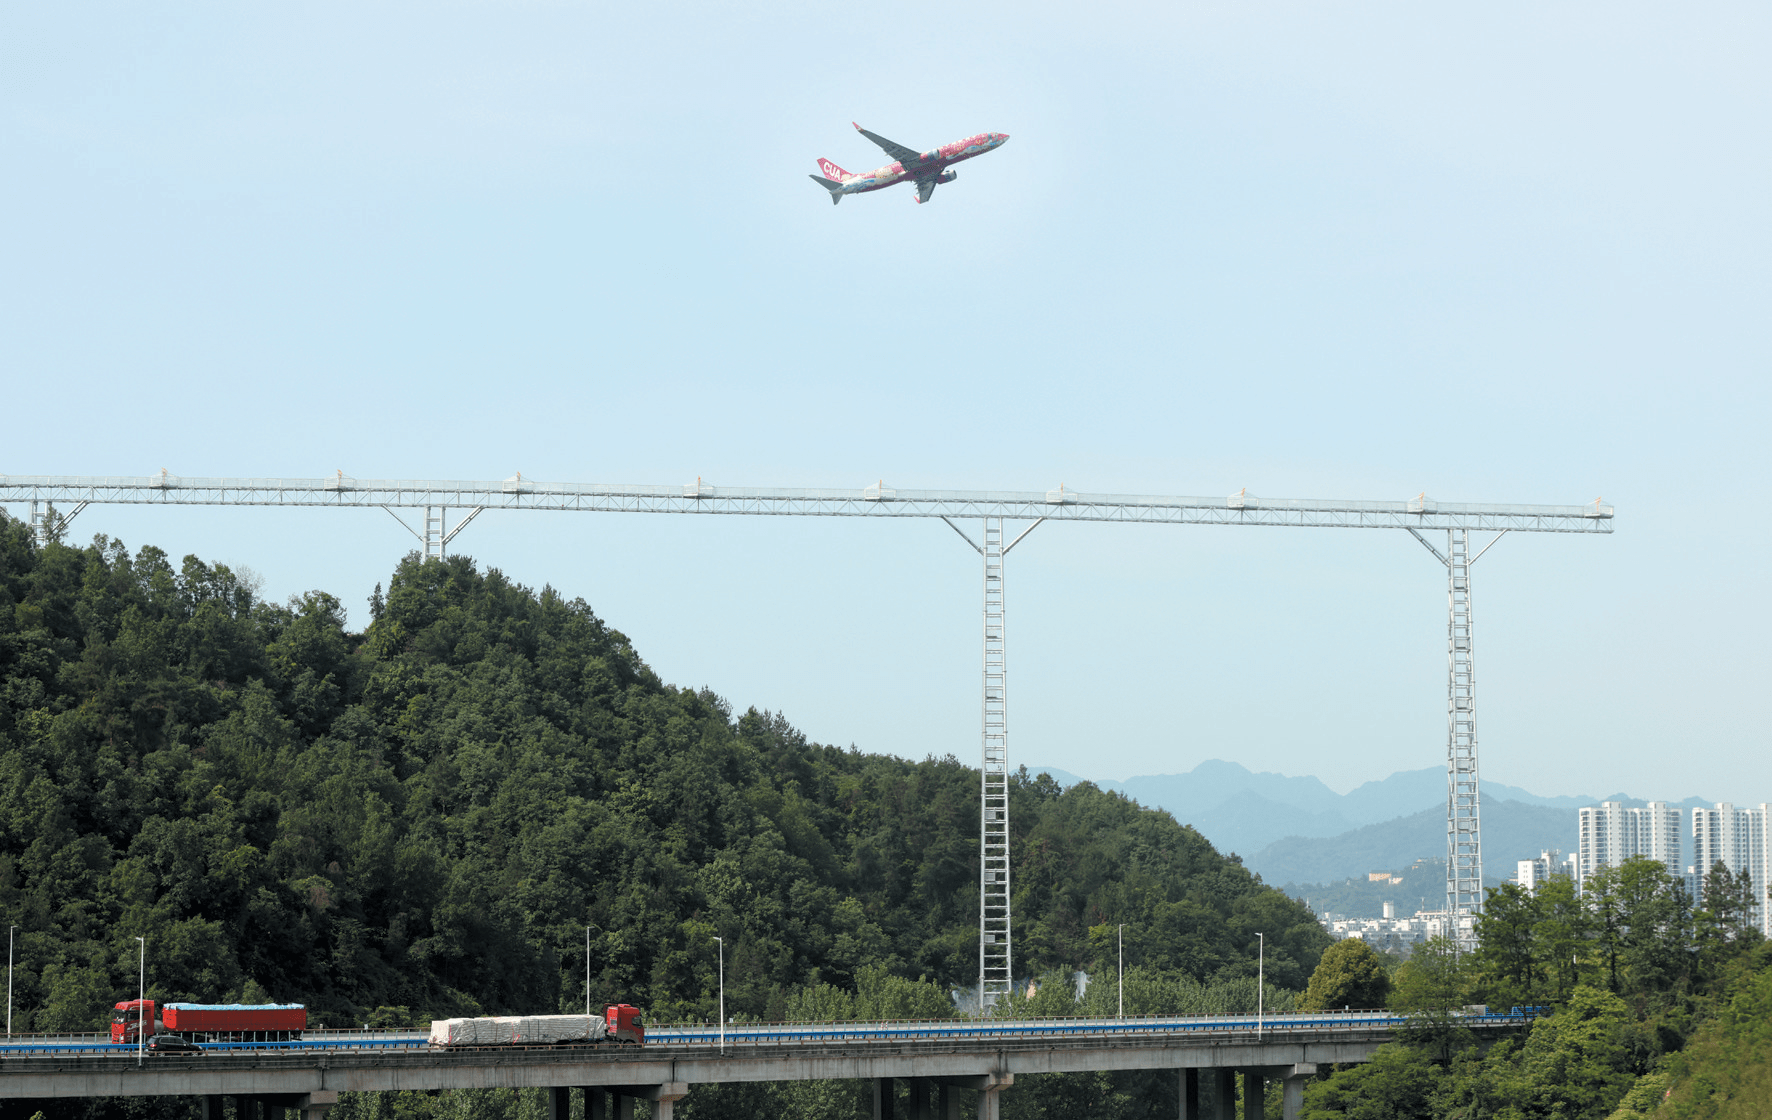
column 1296, row 829
column 1512, row 831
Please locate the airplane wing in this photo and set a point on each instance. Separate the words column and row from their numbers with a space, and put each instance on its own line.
column 897, row 151
column 925, row 188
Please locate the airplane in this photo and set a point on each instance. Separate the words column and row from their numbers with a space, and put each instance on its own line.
column 925, row 169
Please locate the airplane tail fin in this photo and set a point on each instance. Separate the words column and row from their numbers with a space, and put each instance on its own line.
column 832, row 171
column 831, row 185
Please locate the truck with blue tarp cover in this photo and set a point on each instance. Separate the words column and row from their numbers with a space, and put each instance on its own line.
column 211, row 1022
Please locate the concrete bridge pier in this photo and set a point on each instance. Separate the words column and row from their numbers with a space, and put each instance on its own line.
column 597, row 1101
column 269, row 1106
column 1293, row 1079
column 1292, row 1096
column 315, row 1105
column 922, row 1099
column 938, row 1098
column 948, row 1107
column 1189, row 1095
column 664, row 1099
column 1224, row 1094
column 988, row 1086
column 989, row 1107
column 1254, row 1094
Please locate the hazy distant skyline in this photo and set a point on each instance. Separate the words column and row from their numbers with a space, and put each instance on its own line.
column 1751, row 788
column 1515, row 254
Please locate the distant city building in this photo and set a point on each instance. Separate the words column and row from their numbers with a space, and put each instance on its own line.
column 1532, row 873
column 1611, row 834
column 1383, row 877
column 1389, row 934
column 1741, row 840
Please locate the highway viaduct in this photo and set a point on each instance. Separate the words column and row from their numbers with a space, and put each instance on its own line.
column 943, row 1073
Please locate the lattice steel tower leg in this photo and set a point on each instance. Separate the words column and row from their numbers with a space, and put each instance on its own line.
column 1464, row 848
column 994, row 959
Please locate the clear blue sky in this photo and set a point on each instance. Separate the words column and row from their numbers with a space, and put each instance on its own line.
column 1509, row 254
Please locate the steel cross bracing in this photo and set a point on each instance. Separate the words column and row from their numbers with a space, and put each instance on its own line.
column 1464, row 868
column 435, row 537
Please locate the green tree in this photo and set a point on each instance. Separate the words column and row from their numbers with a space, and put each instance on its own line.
column 1642, row 921
column 1351, row 974
column 1399, row 1083
column 1723, row 925
column 820, row 1003
column 1431, row 988
column 1726, row 1071
column 881, row 995
column 1509, row 959
column 1574, row 1064
column 1561, row 936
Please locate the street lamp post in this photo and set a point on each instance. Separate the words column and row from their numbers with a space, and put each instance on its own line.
column 1122, row 970
column 9, row 932
column 141, row 996
column 722, row 994
column 587, row 970
column 1260, row 982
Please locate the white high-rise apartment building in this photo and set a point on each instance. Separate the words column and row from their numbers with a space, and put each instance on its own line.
column 1611, row 834
column 1742, row 840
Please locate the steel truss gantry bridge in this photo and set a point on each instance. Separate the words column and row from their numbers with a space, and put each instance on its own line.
column 1417, row 516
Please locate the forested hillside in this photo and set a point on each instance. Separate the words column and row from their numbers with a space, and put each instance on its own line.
column 1659, row 1008
column 421, row 818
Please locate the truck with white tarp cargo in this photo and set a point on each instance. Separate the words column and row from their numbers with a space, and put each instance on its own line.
column 620, row 1023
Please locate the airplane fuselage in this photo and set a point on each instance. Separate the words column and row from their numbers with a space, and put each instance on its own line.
column 933, row 165
column 934, row 161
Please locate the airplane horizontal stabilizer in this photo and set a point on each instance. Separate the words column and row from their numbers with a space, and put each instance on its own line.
column 831, row 185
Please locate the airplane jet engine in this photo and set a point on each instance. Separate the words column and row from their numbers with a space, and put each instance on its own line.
column 947, row 176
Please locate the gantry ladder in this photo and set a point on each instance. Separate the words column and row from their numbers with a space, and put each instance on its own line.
column 994, row 959
column 435, row 536
column 1464, row 853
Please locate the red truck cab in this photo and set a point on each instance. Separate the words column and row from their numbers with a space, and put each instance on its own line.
column 125, row 1022
column 624, row 1024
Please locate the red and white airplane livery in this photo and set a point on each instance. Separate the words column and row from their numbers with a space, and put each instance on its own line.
column 925, row 169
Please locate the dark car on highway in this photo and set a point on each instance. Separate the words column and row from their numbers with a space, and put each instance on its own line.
column 167, row 1043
